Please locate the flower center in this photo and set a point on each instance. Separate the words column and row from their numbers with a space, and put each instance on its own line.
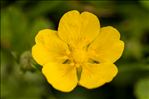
column 79, row 56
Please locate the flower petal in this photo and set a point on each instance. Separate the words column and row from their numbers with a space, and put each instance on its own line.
column 107, row 47
column 62, row 77
column 95, row 75
column 49, row 47
column 77, row 29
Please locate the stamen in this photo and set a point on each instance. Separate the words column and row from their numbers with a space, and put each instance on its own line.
column 67, row 61
column 93, row 61
column 79, row 71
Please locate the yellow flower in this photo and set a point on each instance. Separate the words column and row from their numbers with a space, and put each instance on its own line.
column 79, row 53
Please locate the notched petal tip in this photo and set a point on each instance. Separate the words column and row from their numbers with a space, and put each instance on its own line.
column 119, row 52
column 71, row 12
column 61, row 76
column 42, row 34
column 67, row 91
column 86, row 13
column 107, row 46
column 110, row 29
column 74, row 11
column 57, row 88
column 96, row 75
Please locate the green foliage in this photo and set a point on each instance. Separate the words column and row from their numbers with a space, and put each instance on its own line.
column 145, row 4
column 21, row 76
column 142, row 88
column 18, row 31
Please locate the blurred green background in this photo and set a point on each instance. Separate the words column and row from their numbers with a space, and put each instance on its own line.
column 21, row 77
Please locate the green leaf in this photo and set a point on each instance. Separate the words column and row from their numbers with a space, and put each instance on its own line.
column 133, row 49
column 18, row 31
column 14, row 26
column 127, row 73
column 145, row 4
column 142, row 89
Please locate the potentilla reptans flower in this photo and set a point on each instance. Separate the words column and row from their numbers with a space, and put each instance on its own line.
column 79, row 53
